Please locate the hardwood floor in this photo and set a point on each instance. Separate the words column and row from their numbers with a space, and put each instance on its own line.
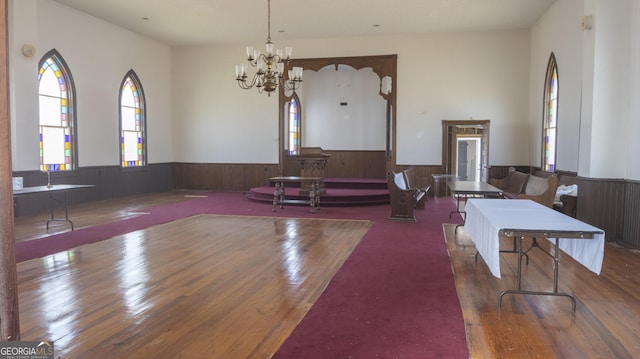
column 96, row 293
column 607, row 319
column 94, row 213
column 209, row 286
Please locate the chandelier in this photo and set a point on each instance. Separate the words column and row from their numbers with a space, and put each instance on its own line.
column 269, row 66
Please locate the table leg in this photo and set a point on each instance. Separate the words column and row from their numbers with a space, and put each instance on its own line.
column 52, row 201
column 555, row 278
column 457, row 210
column 312, row 196
column 276, row 196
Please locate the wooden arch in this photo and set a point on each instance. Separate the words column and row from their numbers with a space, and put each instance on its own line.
column 382, row 65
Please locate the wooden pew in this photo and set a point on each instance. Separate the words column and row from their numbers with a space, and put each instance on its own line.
column 403, row 199
column 421, row 184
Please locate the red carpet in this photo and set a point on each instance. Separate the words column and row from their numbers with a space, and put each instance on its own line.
column 393, row 298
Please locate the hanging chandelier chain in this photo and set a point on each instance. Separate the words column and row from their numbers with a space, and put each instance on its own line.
column 268, row 20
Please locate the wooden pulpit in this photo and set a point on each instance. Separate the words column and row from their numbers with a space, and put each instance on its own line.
column 313, row 161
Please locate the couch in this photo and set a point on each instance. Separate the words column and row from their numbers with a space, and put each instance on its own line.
column 526, row 186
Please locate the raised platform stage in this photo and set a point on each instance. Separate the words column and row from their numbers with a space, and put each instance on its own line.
column 339, row 192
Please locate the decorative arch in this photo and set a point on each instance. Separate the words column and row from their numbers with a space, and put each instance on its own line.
column 385, row 66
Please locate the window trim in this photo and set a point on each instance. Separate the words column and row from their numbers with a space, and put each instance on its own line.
column 295, row 98
column 143, row 115
column 552, row 66
column 71, row 109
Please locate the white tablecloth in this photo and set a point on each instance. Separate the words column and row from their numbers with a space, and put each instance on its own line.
column 487, row 218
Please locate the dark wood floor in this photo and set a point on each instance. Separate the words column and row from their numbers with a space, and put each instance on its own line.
column 606, row 323
column 607, row 319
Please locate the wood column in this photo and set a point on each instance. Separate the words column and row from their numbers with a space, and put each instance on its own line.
column 9, row 315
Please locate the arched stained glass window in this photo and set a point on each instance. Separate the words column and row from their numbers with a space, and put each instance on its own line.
column 56, row 114
column 550, row 116
column 132, row 122
column 294, row 126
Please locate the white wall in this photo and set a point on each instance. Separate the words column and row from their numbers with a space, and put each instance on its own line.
column 99, row 55
column 634, row 92
column 599, row 82
column 558, row 32
column 445, row 76
column 214, row 120
column 197, row 113
column 611, row 89
column 343, row 109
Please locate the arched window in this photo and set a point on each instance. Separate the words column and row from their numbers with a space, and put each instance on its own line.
column 56, row 114
column 294, row 125
column 550, row 116
column 132, row 122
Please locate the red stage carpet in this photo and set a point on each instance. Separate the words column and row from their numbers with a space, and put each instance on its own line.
column 394, row 297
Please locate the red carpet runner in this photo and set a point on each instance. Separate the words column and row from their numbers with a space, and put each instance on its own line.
column 394, row 297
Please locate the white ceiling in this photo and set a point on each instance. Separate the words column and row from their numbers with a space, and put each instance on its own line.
column 198, row 22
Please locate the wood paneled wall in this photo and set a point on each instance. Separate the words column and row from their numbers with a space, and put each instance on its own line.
column 110, row 181
column 222, row 176
column 345, row 164
column 356, row 164
column 631, row 226
column 610, row 204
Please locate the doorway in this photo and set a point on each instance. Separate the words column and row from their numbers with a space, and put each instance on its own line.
column 465, row 149
column 468, row 158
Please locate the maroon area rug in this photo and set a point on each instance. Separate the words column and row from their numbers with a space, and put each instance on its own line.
column 394, row 297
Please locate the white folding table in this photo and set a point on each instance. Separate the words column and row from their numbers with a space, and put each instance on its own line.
column 488, row 219
column 51, row 190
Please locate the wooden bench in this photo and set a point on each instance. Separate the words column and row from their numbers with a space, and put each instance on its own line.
column 416, row 182
column 566, row 200
column 403, row 199
column 528, row 186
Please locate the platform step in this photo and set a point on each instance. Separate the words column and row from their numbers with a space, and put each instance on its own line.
column 339, row 192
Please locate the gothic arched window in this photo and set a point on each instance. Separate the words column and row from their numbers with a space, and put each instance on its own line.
column 56, row 114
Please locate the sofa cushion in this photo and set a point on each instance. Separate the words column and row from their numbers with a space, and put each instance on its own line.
column 536, row 186
column 516, row 182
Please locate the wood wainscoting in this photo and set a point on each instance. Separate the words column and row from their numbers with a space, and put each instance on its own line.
column 610, row 204
column 344, row 164
column 110, row 182
column 222, row 176
column 631, row 225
